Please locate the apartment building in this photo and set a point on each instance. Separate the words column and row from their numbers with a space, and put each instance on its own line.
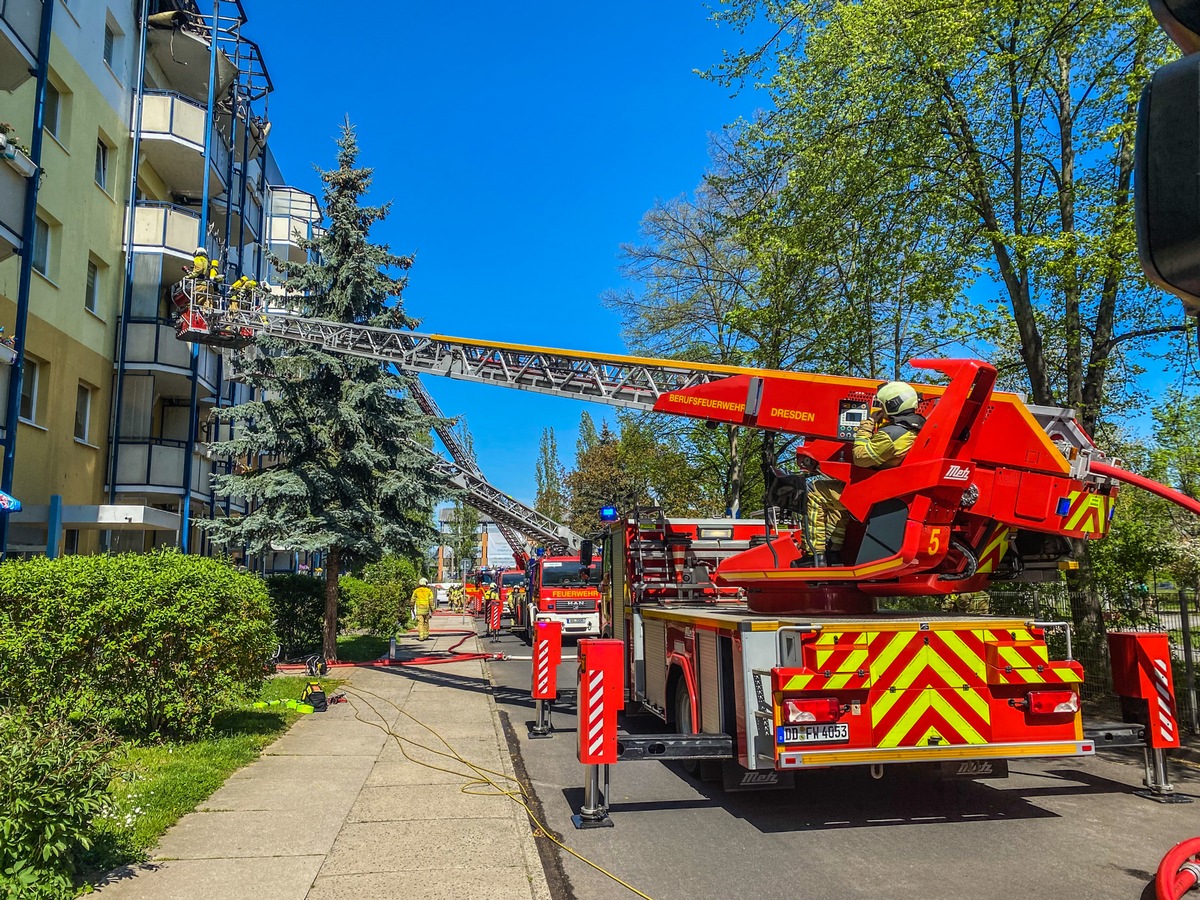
column 114, row 414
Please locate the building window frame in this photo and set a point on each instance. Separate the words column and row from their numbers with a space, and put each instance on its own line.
column 109, row 47
column 103, row 155
column 83, row 412
column 30, row 378
column 42, row 246
column 52, row 111
column 91, row 287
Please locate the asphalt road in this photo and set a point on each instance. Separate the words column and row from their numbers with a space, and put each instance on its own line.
column 1053, row 829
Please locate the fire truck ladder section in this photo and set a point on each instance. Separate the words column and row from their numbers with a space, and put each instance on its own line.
column 617, row 381
column 522, row 521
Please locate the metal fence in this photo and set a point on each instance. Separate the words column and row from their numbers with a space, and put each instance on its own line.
column 1175, row 613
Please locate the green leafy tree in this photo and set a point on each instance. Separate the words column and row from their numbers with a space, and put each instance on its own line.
column 600, row 478
column 464, row 533
column 1015, row 120
column 551, row 491
column 344, row 475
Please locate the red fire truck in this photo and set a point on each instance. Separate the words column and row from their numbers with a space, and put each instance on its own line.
column 563, row 589
column 753, row 657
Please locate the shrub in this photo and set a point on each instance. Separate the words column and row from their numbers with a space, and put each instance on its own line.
column 54, row 777
column 298, row 607
column 360, row 600
column 394, row 579
column 149, row 644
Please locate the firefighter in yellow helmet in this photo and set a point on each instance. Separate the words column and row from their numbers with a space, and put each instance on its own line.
column 880, row 442
column 422, row 604
column 457, row 597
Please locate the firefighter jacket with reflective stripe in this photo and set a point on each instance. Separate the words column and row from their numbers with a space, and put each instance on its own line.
column 883, row 446
column 422, row 600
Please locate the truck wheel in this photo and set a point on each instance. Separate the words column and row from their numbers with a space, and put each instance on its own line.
column 683, row 723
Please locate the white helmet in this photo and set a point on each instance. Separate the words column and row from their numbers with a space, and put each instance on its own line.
column 897, row 397
column 424, row 582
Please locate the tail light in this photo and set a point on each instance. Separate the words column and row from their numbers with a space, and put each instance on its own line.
column 816, row 709
column 1047, row 703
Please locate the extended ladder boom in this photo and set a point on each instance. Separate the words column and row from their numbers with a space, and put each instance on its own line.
column 619, row 381
column 504, row 509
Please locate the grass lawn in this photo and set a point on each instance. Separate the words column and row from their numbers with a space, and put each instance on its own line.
column 361, row 647
column 159, row 783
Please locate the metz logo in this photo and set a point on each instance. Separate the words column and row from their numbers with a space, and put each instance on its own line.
column 957, row 473
column 975, row 768
column 759, row 779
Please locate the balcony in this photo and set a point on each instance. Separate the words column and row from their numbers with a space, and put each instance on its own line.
column 152, row 346
column 247, row 221
column 293, row 214
column 12, row 209
column 20, row 25
column 155, row 466
column 182, row 48
column 165, row 228
column 172, row 133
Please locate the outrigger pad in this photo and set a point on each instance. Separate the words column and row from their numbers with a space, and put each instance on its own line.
column 884, row 535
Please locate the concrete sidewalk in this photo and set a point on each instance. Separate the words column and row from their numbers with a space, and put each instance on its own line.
column 338, row 808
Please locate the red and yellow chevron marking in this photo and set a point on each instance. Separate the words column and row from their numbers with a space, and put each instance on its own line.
column 925, row 674
column 843, row 655
column 1088, row 513
column 1017, row 657
column 994, row 549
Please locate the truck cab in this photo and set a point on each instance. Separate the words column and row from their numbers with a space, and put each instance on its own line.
column 561, row 589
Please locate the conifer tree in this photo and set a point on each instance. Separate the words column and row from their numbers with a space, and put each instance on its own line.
column 551, row 491
column 335, row 435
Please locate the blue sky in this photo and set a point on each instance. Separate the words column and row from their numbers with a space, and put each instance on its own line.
column 521, row 145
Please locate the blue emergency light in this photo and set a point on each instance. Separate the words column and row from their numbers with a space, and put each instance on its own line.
column 608, row 514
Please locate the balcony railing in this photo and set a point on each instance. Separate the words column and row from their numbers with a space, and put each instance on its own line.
column 173, row 132
column 152, row 343
column 155, row 465
column 20, row 23
column 165, row 228
column 293, row 214
column 12, row 208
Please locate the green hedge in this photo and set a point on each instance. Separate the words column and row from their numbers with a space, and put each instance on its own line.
column 54, row 776
column 298, row 609
column 385, row 604
column 148, row 644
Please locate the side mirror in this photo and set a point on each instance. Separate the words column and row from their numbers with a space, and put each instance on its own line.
column 585, row 554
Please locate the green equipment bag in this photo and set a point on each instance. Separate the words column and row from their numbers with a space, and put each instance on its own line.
column 314, row 696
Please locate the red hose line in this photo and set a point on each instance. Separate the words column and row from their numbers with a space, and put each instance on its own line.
column 1179, row 870
column 1146, row 484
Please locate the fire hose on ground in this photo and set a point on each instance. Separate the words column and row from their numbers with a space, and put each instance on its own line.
column 1179, row 870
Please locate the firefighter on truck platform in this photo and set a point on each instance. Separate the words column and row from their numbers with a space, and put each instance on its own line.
column 881, row 442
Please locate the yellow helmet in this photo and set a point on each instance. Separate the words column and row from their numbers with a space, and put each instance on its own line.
column 897, row 397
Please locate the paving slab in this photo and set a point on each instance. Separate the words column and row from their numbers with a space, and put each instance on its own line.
column 391, row 803
column 510, row 883
column 417, row 846
column 347, row 738
column 263, row 878
column 229, row 835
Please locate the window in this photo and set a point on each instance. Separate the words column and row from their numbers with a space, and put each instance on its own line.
column 102, row 164
column 83, row 412
column 50, row 116
column 91, row 290
column 110, row 41
column 41, row 246
column 29, row 390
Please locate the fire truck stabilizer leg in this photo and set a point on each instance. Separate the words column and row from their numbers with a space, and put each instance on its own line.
column 1158, row 787
column 594, row 812
column 541, row 728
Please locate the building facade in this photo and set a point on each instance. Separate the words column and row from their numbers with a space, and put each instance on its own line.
column 154, row 144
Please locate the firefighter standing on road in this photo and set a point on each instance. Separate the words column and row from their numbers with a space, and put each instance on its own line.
column 422, row 604
column 880, row 442
column 457, row 598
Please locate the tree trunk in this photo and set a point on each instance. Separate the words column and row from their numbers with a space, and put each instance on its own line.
column 734, row 498
column 333, row 564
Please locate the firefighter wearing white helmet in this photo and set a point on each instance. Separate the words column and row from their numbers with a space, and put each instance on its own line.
column 880, row 442
column 422, row 603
